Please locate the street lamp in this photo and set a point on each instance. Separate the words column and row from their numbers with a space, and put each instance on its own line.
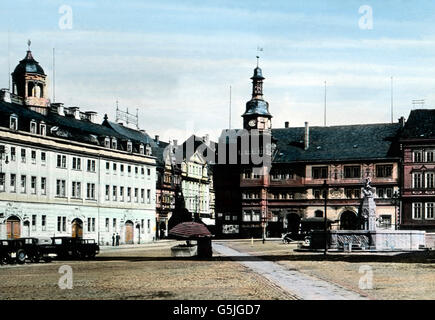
column 325, row 190
column 396, row 202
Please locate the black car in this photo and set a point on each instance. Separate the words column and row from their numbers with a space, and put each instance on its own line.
column 35, row 250
column 69, row 247
column 12, row 250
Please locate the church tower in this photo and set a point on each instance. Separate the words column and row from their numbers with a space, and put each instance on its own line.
column 29, row 83
column 257, row 114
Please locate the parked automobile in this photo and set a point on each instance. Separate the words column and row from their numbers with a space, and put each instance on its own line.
column 12, row 251
column 69, row 247
column 35, row 249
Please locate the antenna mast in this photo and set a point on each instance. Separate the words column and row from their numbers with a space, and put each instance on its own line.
column 392, row 109
column 230, row 111
column 9, row 60
column 54, row 76
column 324, row 111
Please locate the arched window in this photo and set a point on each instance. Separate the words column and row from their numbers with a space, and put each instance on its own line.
column 33, row 127
column 148, row 150
column 107, row 142
column 41, row 91
column 42, row 129
column 30, row 89
column 13, row 122
column 129, row 146
column 114, row 143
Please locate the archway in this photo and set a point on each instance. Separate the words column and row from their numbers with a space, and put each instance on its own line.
column 348, row 221
column 13, row 227
column 129, row 232
column 293, row 223
column 77, row 228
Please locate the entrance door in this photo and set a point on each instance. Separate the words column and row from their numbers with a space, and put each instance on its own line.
column 77, row 228
column 13, row 228
column 129, row 232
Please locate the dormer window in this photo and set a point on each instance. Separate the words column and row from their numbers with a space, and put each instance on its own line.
column 129, row 146
column 33, row 127
column 107, row 142
column 114, row 143
column 42, row 129
column 142, row 149
column 13, row 123
column 148, row 150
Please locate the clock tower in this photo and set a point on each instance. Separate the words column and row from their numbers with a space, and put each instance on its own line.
column 257, row 114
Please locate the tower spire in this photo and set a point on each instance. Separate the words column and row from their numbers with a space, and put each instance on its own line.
column 28, row 44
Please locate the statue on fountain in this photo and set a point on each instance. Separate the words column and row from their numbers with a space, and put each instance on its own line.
column 368, row 208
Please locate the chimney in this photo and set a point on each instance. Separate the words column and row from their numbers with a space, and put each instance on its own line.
column 5, row 95
column 91, row 116
column 58, row 108
column 206, row 139
column 76, row 112
column 143, row 131
column 307, row 136
column 157, row 138
column 286, row 124
column 402, row 121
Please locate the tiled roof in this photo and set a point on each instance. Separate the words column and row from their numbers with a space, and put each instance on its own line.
column 337, row 143
column 420, row 124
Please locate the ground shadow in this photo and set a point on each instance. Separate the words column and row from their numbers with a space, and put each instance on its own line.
column 407, row 257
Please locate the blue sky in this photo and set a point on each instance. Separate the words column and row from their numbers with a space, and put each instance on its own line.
column 175, row 60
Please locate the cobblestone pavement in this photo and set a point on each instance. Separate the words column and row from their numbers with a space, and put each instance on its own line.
column 396, row 276
column 305, row 287
column 142, row 272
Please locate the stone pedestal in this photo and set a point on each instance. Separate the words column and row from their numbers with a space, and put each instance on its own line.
column 184, row 251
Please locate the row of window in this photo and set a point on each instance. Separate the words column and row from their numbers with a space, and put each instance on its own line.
column 23, row 184
column 322, row 172
column 76, row 189
column 61, row 224
column 423, row 156
column 112, row 194
column 129, row 169
column 420, row 210
column 76, row 162
column 13, row 125
column 423, row 180
column 251, row 216
column 351, row 172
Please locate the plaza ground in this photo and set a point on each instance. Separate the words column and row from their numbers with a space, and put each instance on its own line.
column 149, row 272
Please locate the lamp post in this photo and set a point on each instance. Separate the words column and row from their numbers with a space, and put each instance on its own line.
column 325, row 190
column 396, row 202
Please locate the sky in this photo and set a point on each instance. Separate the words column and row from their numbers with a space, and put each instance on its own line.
column 175, row 61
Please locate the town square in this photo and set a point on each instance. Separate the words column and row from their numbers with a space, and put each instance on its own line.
column 225, row 151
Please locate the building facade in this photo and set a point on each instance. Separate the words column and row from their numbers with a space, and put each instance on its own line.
column 418, row 171
column 305, row 163
column 63, row 174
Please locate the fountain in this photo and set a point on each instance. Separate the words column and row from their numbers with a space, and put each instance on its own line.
column 368, row 237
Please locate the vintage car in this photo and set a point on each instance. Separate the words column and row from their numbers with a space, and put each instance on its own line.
column 69, row 247
column 12, row 250
column 35, row 249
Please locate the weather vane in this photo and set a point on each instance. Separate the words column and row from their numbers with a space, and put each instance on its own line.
column 29, row 43
column 258, row 57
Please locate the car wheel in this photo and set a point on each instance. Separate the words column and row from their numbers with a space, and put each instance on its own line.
column 21, row 256
column 36, row 257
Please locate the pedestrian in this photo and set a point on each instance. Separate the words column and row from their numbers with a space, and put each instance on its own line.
column 117, row 239
column 113, row 240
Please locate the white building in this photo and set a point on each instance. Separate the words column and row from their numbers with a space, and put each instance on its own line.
column 61, row 174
